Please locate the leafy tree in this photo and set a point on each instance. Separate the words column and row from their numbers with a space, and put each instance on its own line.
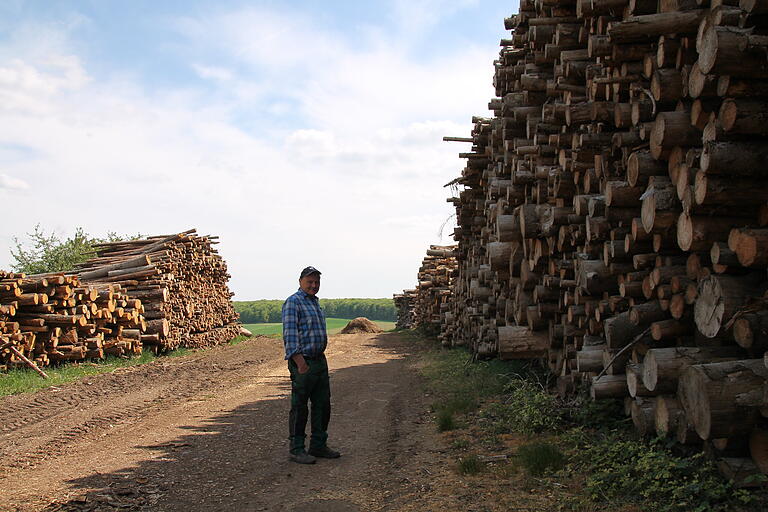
column 43, row 253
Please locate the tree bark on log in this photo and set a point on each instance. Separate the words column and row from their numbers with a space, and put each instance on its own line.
column 662, row 367
column 720, row 53
column 708, row 393
column 519, row 343
column 609, row 386
column 719, row 297
column 667, row 414
column 651, row 26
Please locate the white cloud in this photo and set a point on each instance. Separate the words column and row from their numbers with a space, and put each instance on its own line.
column 11, row 183
column 417, row 17
column 213, row 72
column 354, row 176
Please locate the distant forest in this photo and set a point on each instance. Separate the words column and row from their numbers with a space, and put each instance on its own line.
column 268, row 311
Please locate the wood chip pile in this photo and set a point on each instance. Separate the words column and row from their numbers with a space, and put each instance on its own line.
column 613, row 216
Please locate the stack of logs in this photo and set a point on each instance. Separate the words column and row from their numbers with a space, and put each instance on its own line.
column 181, row 280
column 613, row 219
column 55, row 317
column 161, row 292
column 405, row 303
column 424, row 306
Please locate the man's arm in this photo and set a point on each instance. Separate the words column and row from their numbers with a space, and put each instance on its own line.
column 291, row 335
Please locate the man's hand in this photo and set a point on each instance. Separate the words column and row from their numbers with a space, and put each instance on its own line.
column 301, row 363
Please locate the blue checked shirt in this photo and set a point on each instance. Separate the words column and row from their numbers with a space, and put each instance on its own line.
column 303, row 326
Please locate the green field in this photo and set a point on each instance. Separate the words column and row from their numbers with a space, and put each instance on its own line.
column 333, row 325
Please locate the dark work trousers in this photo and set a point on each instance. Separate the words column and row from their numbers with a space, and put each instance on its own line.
column 312, row 386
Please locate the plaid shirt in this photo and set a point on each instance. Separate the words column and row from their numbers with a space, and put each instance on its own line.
column 303, row 326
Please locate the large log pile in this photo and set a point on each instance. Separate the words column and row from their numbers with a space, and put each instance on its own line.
column 613, row 216
column 160, row 292
column 425, row 306
column 55, row 317
column 182, row 282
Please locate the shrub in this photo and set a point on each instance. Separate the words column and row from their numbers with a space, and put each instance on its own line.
column 445, row 420
column 541, row 458
column 596, row 414
column 470, row 465
column 43, row 252
column 620, row 470
column 460, row 444
column 527, row 409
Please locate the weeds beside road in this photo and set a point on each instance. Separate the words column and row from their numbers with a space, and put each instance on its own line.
column 23, row 380
column 502, row 426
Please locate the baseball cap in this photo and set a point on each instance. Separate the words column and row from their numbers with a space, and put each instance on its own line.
column 308, row 271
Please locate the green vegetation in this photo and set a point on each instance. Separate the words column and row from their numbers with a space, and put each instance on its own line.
column 541, row 458
column 460, row 444
column 588, row 453
column 269, row 311
column 445, row 420
column 525, row 407
column 470, row 465
column 332, row 325
column 23, row 380
column 272, row 329
column 651, row 472
column 48, row 253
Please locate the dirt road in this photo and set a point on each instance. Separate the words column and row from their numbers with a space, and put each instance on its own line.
column 208, row 432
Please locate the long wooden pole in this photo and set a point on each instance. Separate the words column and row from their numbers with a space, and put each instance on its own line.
column 26, row 360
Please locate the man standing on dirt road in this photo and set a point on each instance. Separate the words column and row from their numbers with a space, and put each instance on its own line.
column 305, row 340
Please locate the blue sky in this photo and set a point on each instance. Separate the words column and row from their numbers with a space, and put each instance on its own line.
column 300, row 132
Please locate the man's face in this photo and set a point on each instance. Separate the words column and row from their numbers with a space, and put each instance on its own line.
column 310, row 284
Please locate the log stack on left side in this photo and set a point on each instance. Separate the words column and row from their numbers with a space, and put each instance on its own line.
column 181, row 279
column 54, row 317
column 161, row 292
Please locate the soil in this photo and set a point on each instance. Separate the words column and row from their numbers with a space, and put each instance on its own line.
column 208, row 431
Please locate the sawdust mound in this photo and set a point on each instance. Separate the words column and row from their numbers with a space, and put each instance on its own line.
column 360, row 324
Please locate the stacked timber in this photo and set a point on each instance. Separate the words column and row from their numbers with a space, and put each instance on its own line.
column 426, row 306
column 613, row 220
column 181, row 280
column 54, row 318
column 405, row 303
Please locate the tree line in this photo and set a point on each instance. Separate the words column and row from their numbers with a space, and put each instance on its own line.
column 269, row 311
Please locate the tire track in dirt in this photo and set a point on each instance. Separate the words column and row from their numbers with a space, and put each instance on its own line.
column 42, row 426
column 207, row 432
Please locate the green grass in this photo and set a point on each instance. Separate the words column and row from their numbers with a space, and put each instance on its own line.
column 332, row 325
column 541, row 458
column 23, row 380
column 588, row 450
column 445, row 420
column 470, row 465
